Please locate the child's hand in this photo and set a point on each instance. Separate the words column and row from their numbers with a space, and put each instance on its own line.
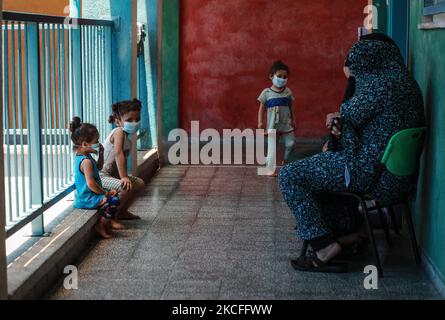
column 126, row 184
column 111, row 193
column 260, row 125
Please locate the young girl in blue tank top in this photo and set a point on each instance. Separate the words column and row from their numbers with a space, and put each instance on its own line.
column 90, row 193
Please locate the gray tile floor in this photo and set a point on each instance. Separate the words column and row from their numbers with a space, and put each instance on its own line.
column 225, row 233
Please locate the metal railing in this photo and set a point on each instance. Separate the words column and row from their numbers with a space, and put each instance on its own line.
column 51, row 72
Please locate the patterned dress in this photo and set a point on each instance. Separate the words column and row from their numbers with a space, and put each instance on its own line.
column 387, row 100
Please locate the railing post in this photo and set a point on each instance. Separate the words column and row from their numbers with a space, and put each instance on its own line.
column 108, row 69
column 159, row 118
column 134, row 48
column 133, row 159
column 3, row 270
column 34, row 116
column 75, row 78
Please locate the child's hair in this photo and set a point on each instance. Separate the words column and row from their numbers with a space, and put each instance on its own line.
column 122, row 108
column 277, row 66
column 82, row 132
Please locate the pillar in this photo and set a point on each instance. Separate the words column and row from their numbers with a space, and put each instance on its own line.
column 3, row 272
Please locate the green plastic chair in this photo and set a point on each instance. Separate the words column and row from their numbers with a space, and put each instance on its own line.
column 402, row 155
column 401, row 158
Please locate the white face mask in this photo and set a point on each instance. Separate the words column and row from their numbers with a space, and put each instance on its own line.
column 95, row 147
column 279, row 82
column 132, row 127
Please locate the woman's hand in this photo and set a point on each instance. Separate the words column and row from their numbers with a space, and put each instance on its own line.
column 126, row 184
column 330, row 119
column 336, row 129
column 325, row 147
column 333, row 123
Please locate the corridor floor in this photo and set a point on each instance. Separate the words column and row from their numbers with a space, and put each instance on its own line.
column 225, row 233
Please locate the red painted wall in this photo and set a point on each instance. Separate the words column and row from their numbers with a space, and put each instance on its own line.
column 227, row 47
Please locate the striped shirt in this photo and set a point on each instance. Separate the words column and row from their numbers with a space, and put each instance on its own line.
column 279, row 113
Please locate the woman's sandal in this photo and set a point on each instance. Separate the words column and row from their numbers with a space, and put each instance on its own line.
column 313, row 264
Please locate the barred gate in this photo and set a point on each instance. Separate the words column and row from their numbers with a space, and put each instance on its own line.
column 52, row 71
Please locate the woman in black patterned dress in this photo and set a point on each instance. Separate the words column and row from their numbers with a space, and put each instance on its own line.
column 386, row 100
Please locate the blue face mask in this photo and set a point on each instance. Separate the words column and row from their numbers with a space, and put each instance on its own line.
column 279, row 82
column 132, row 127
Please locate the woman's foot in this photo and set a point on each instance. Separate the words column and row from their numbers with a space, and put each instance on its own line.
column 327, row 254
column 128, row 216
column 101, row 228
column 116, row 225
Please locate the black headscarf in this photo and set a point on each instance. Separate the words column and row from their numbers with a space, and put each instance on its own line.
column 379, row 37
column 335, row 144
column 350, row 89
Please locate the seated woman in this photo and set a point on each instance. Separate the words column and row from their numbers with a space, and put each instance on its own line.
column 385, row 101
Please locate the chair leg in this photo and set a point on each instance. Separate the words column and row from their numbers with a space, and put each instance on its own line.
column 304, row 249
column 393, row 220
column 385, row 226
column 412, row 233
column 371, row 236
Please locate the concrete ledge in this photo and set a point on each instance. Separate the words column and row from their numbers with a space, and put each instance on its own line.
column 148, row 164
column 31, row 275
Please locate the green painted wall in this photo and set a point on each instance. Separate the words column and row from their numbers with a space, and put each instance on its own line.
column 170, row 66
column 427, row 62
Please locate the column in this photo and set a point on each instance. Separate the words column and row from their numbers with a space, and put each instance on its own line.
column 3, row 275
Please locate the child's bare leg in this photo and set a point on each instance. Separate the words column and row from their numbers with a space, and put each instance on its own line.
column 124, row 214
column 289, row 147
column 116, row 225
column 112, row 213
column 101, row 228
